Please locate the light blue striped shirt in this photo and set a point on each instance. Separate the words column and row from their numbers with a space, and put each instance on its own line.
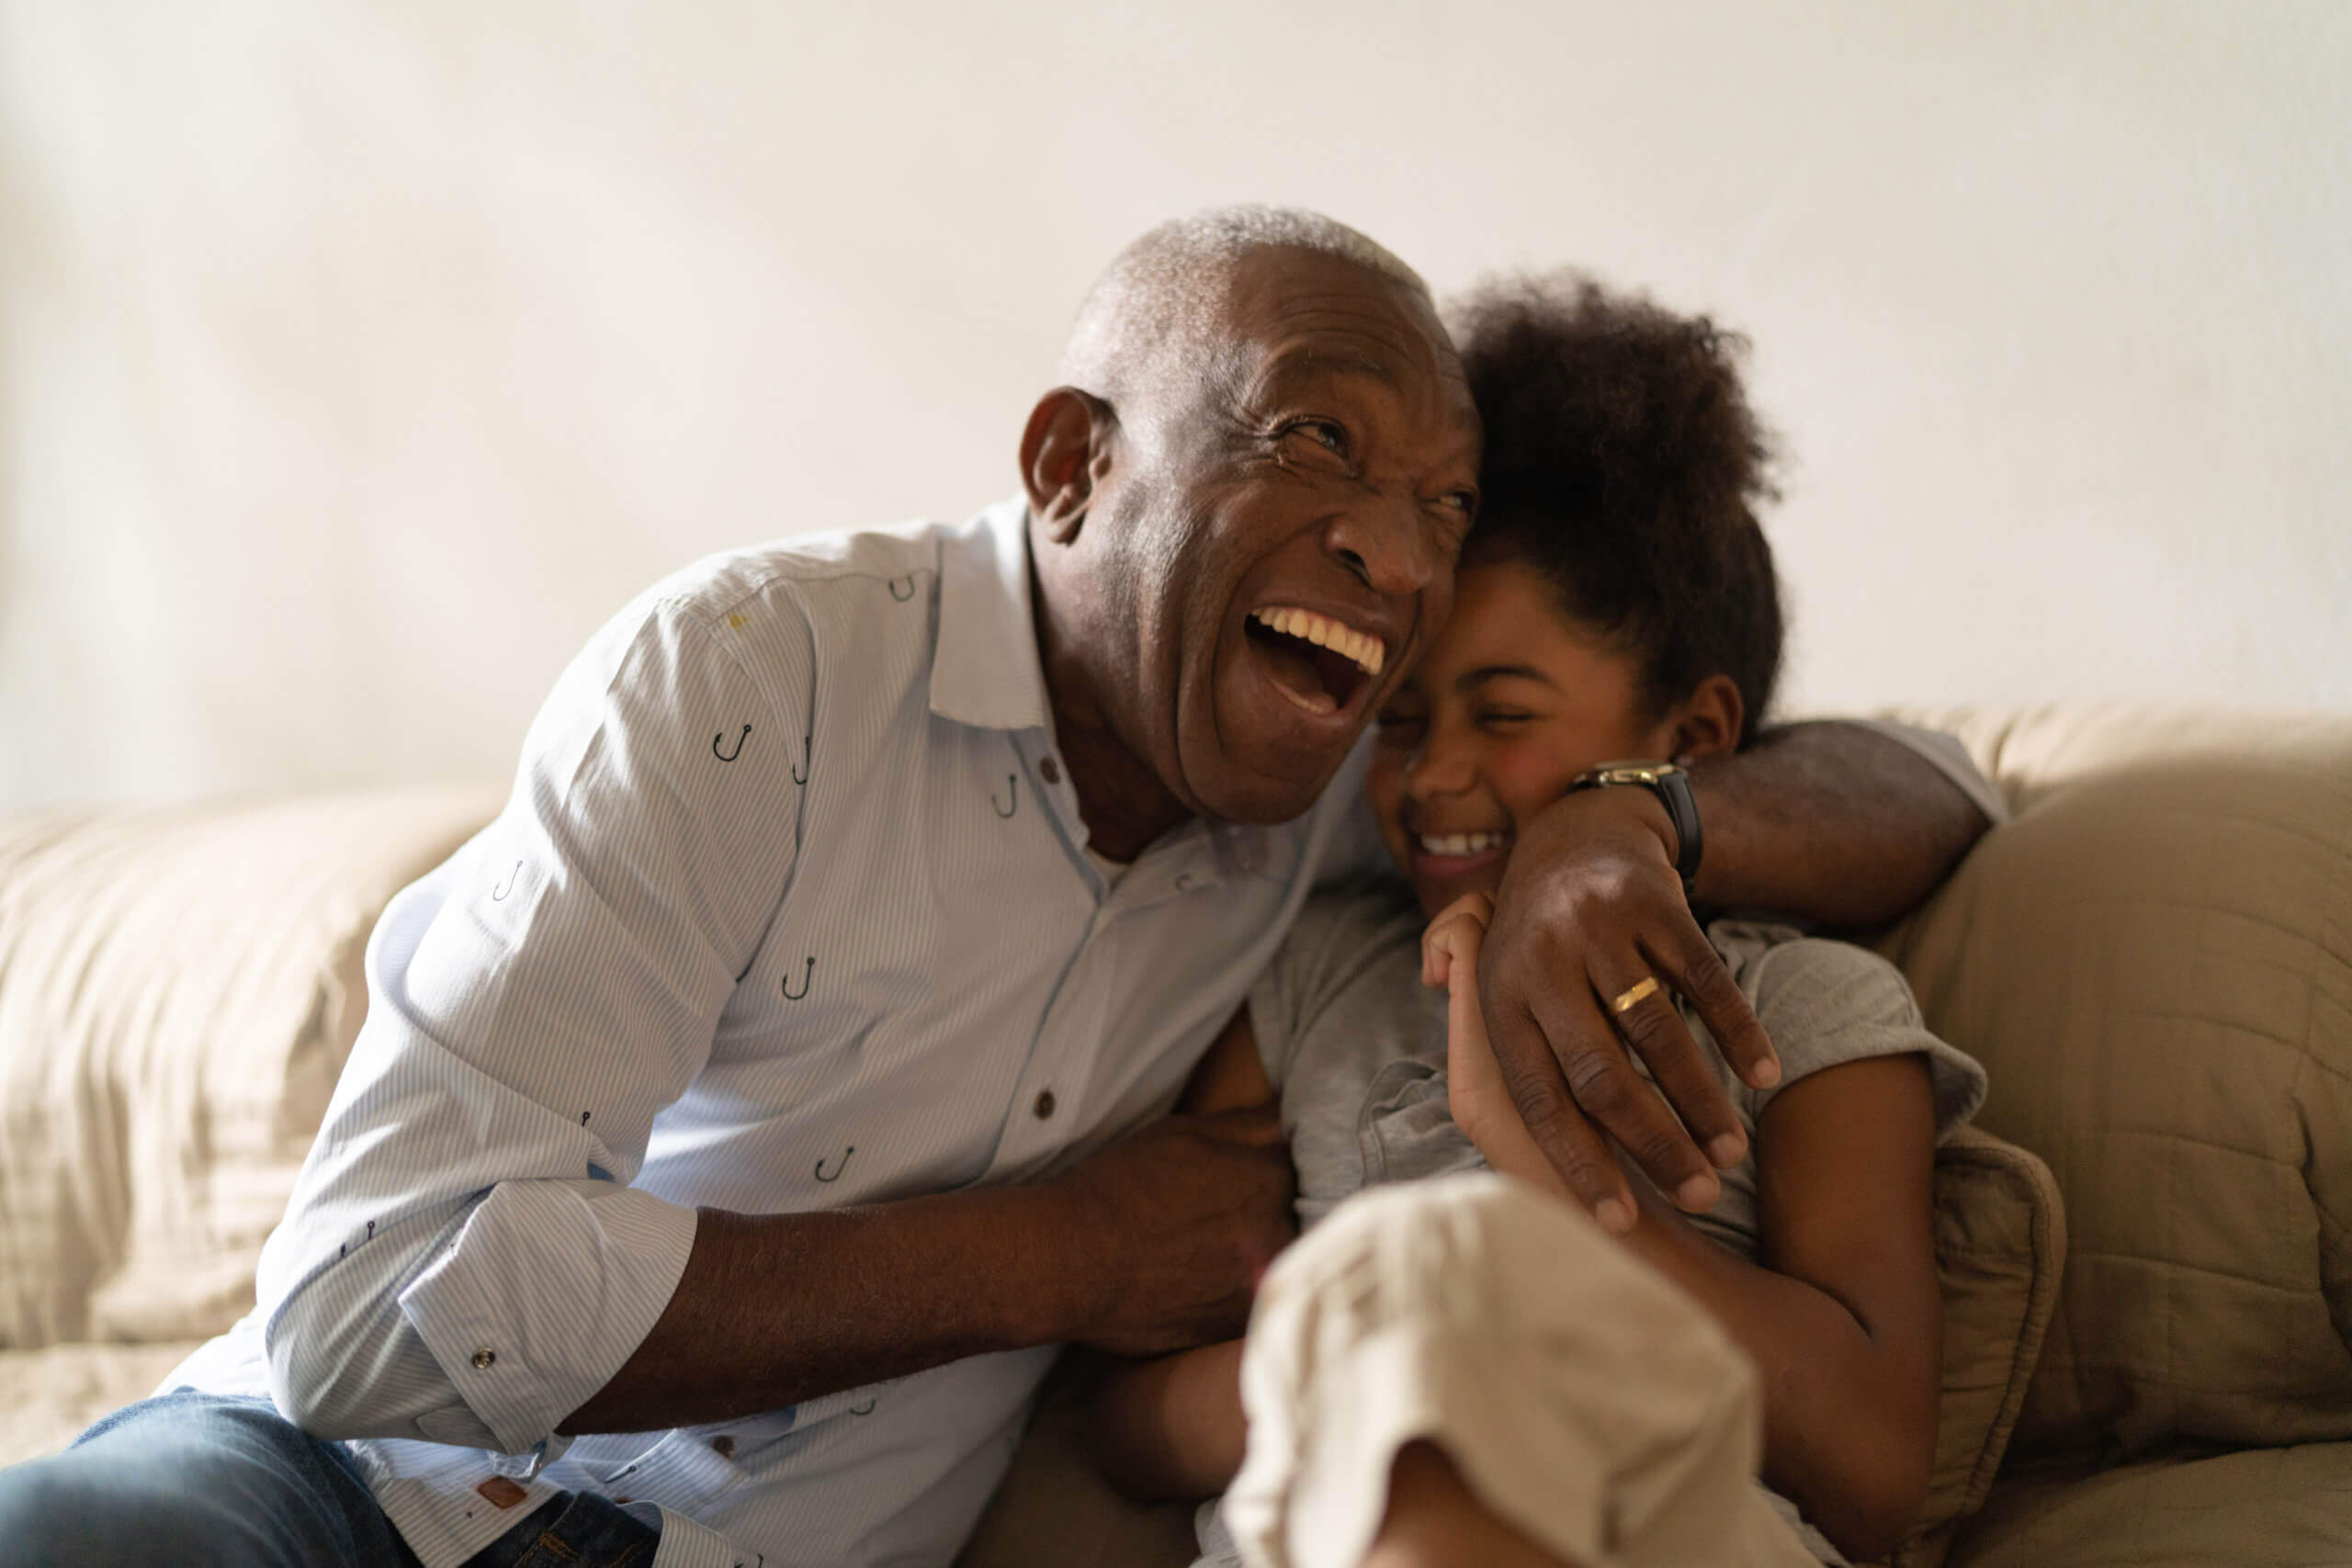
column 790, row 909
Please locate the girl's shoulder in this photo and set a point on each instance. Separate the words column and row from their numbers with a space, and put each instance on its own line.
column 1824, row 1002
column 1340, row 942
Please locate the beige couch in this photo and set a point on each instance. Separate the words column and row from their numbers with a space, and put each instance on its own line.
column 2154, row 960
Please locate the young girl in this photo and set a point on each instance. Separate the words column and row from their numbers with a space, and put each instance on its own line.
column 1616, row 601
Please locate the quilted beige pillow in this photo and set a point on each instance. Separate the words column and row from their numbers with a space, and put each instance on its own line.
column 2153, row 960
column 2259, row 1508
column 2000, row 1234
column 178, row 991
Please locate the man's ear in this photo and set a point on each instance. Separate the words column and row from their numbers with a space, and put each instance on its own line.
column 1064, row 449
column 1709, row 722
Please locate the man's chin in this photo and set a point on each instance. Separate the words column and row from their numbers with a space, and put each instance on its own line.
column 1256, row 751
column 1230, row 789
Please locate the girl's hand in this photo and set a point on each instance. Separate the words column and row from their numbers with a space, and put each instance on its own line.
column 1475, row 1089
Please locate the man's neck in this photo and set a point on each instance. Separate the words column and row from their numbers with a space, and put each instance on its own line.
column 1122, row 801
column 1119, row 796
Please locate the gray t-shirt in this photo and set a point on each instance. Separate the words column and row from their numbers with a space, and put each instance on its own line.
column 1355, row 1047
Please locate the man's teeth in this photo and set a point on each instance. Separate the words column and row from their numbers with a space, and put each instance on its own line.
column 1367, row 652
column 1460, row 844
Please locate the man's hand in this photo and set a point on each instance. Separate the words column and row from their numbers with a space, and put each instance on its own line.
column 1589, row 910
column 1186, row 1215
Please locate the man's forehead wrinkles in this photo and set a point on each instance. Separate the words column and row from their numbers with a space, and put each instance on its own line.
column 1387, row 358
column 1313, row 360
column 1337, row 302
column 1396, row 337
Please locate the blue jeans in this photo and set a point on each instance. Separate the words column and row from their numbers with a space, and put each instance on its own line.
column 210, row 1480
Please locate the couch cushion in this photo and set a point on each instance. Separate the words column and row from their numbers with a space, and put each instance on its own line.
column 2280, row 1507
column 2153, row 960
column 178, row 990
column 48, row 1397
column 2000, row 1234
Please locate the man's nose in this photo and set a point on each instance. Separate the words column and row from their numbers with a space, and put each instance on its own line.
column 1386, row 544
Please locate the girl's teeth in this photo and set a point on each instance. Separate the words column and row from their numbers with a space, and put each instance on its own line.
column 1460, row 843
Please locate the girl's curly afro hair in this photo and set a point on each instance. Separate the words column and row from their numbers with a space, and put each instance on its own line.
column 1623, row 462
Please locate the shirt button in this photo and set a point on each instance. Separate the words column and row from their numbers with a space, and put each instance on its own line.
column 484, row 1358
column 1052, row 770
column 723, row 1446
column 1044, row 1106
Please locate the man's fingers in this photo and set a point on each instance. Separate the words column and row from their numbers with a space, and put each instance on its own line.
column 1641, row 1007
column 1690, row 963
column 1611, row 1091
column 1532, row 1077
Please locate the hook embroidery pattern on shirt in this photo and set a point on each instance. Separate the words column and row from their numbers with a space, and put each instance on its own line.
column 1013, row 781
column 839, row 1165
column 498, row 895
column 909, row 580
column 808, row 746
column 864, row 1409
column 807, row 975
column 729, row 756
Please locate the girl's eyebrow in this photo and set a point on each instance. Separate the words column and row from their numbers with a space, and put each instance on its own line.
column 1485, row 673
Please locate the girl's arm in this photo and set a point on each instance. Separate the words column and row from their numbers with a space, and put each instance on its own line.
column 1174, row 1427
column 1844, row 1320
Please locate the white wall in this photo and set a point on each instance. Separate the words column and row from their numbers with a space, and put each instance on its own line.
column 356, row 361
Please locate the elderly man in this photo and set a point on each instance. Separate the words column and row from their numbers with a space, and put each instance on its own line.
column 743, row 1117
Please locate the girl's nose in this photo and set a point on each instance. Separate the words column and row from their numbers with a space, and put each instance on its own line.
column 1440, row 767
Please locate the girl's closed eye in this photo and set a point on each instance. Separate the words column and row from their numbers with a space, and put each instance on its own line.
column 1513, row 699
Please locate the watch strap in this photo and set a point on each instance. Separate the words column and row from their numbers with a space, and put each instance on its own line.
column 1672, row 785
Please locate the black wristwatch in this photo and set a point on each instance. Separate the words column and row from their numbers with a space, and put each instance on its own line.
column 1672, row 787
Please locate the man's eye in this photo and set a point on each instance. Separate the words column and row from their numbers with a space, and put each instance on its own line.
column 1328, row 434
column 1397, row 725
column 1503, row 717
column 1466, row 501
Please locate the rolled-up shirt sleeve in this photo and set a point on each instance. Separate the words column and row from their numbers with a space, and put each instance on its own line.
column 1944, row 753
column 464, row 1259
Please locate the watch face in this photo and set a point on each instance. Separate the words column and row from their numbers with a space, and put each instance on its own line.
column 1640, row 773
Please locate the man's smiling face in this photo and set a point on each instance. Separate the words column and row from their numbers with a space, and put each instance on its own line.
column 1278, row 528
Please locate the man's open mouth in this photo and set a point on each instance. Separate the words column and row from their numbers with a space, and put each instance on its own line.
column 1319, row 664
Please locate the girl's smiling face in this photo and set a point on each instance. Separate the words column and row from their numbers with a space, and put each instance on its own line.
column 1512, row 702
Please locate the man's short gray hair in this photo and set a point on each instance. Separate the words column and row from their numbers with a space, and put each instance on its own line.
column 1158, row 297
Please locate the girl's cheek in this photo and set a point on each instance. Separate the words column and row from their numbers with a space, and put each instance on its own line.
column 1528, row 777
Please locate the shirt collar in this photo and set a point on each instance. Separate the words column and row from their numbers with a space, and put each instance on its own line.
column 984, row 672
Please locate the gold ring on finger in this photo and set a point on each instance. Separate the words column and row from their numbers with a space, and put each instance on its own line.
column 1633, row 994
